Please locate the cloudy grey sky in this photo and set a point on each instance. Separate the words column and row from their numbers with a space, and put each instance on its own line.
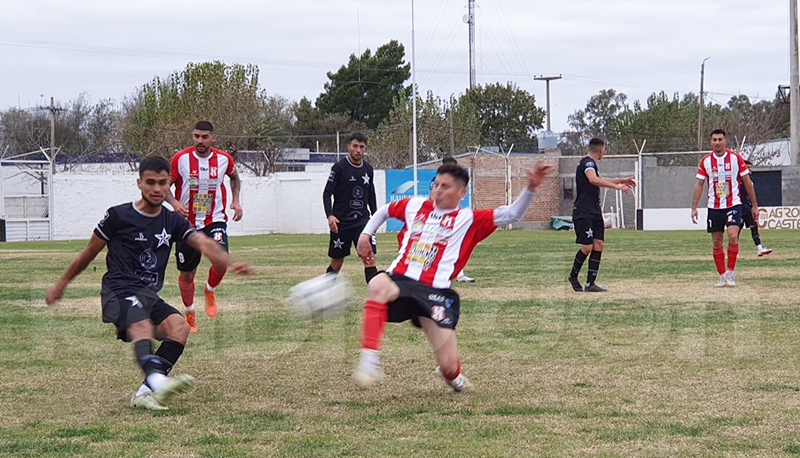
column 106, row 48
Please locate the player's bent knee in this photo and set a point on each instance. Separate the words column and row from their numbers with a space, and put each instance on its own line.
column 382, row 288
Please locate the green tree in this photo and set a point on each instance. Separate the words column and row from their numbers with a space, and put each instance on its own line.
column 598, row 119
column 366, row 89
column 312, row 126
column 390, row 146
column 159, row 116
column 506, row 115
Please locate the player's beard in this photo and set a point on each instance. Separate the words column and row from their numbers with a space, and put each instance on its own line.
column 150, row 203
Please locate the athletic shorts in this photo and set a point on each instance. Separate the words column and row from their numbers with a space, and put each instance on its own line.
column 588, row 230
column 747, row 216
column 339, row 246
column 417, row 299
column 189, row 258
column 720, row 218
column 125, row 306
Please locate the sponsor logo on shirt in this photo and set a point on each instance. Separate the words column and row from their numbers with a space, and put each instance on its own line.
column 140, row 238
column 436, row 297
column 192, row 182
column 422, row 254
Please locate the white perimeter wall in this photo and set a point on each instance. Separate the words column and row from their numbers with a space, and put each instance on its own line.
column 286, row 202
column 678, row 219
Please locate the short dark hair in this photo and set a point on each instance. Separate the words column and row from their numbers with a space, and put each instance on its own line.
column 357, row 136
column 153, row 163
column 455, row 171
column 718, row 131
column 596, row 143
column 204, row 125
column 449, row 160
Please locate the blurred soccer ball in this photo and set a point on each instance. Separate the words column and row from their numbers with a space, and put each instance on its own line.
column 321, row 297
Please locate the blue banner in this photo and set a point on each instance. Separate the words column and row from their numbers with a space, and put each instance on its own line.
column 400, row 184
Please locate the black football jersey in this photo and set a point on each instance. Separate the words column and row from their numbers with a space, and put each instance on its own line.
column 587, row 201
column 139, row 245
column 353, row 190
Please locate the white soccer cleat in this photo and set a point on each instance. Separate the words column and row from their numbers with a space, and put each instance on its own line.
column 171, row 387
column 764, row 251
column 465, row 279
column 729, row 279
column 146, row 401
column 458, row 384
column 366, row 379
column 722, row 282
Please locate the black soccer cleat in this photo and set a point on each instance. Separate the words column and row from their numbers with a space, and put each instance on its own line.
column 593, row 288
column 576, row 284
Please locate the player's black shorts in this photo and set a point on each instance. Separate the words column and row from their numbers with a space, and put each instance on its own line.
column 588, row 230
column 720, row 218
column 340, row 242
column 443, row 306
column 125, row 306
column 189, row 258
column 747, row 216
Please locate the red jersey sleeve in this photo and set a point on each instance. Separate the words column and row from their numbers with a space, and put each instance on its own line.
column 397, row 209
column 701, row 170
column 743, row 170
column 483, row 224
column 173, row 169
column 231, row 165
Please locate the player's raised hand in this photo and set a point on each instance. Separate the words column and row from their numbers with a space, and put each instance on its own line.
column 537, row 175
column 242, row 268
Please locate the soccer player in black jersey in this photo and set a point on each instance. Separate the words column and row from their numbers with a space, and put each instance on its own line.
column 352, row 188
column 587, row 216
column 747, row 217
column 139, row 236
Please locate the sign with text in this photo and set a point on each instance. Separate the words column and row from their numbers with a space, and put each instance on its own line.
column 779, row 218
column 400, row 184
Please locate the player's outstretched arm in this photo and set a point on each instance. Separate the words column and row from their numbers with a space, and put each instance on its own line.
column 596, row 180
column 218, row 257
column 508, row 214
column 87, row 255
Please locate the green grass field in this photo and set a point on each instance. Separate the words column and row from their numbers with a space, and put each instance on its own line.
column 662, row 365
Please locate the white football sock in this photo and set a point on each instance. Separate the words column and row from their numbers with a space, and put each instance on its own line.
column 190, row 308
column 210, row 288
column 156, row 380
column 370, row 360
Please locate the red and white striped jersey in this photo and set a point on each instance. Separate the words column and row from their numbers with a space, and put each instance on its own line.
column 199, row 184
column 436, row 244
column 722, row 174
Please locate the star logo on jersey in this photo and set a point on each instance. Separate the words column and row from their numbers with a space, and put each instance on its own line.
column 338, row 244
column 134, row 301
column 365, row 178
column 163, row 238
column 590, row 233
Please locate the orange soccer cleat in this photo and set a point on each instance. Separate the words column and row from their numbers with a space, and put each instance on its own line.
column 211, row 303
column 191, row 318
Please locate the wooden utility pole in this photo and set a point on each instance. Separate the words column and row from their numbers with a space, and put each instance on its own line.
column 702, row 105
column 794, row 82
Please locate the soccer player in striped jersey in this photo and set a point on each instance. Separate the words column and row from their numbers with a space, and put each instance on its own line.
column 198, row 173
column 439, row 238
column 723, row 169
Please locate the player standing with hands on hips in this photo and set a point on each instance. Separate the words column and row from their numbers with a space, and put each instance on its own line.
column 587, row 216
column 723, row 169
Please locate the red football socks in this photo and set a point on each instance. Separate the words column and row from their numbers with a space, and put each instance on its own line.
column 373, row 324
column 733, row 253
column 187, row 292
column 215, row 276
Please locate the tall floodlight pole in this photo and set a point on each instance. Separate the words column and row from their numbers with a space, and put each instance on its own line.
column 702, row 105
column 471, row 22
column 547, row 80
column 414, row 97
column 794, row 90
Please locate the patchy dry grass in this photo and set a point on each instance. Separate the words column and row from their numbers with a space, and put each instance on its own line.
column 662, row 365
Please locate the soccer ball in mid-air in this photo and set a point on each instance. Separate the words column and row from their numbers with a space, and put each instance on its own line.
column 321, row 297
